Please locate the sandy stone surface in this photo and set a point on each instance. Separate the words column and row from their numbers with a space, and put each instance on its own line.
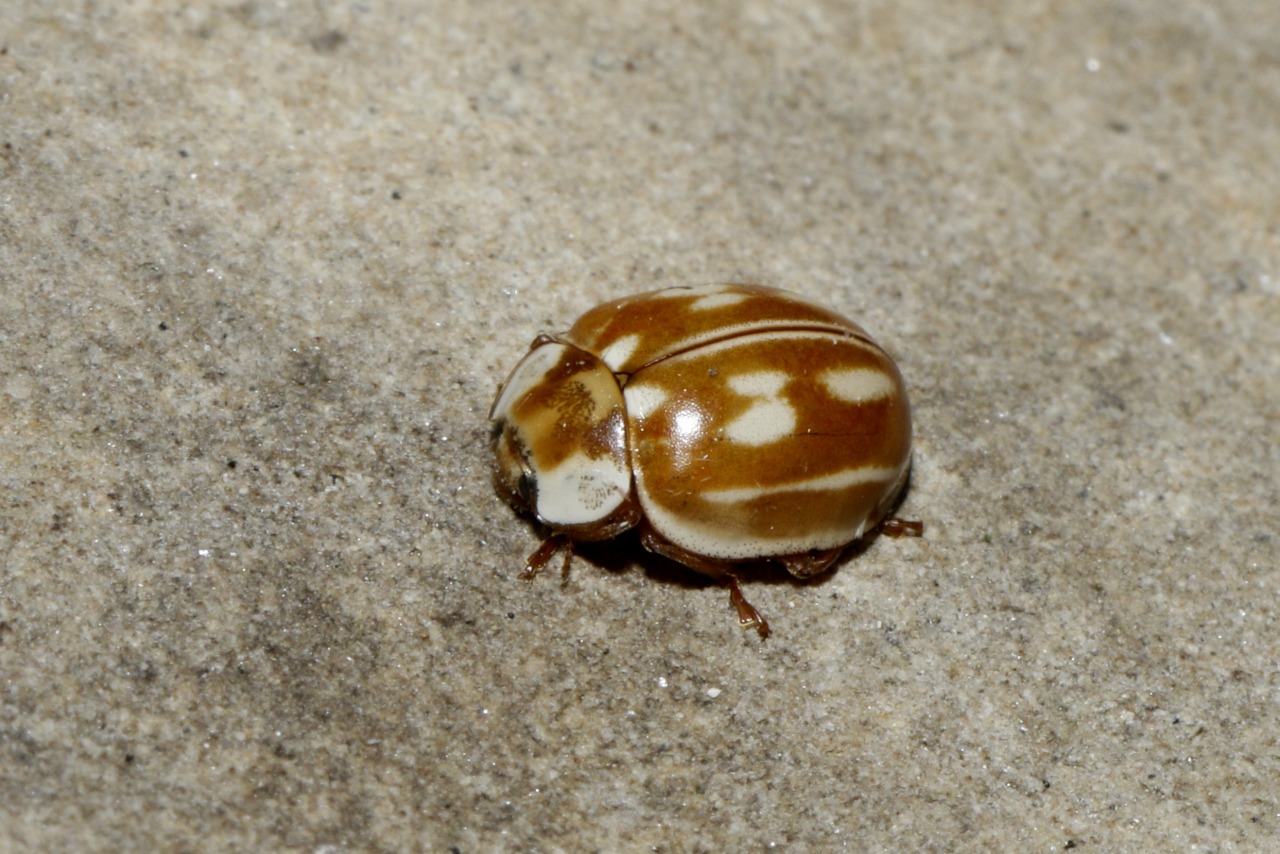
column 263, row 265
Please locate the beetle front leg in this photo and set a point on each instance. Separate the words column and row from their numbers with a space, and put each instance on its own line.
column 542, row 556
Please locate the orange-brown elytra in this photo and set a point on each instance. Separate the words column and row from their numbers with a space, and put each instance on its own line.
column 728, row 424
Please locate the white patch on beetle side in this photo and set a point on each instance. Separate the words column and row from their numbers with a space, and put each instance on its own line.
column 617, row 353
column 839, row 480
column 581, row 490
column 858, row 385
column 758, row 383
column 527, row 375
column 643, row 400
column 770, row 418
column 762, row 424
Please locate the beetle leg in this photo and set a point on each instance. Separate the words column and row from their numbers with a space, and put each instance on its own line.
column 568, row 556
column 809, row 564
column 894, row 527
column 748, row 616
column 540, row 558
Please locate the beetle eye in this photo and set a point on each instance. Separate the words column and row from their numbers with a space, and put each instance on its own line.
column 527, row 486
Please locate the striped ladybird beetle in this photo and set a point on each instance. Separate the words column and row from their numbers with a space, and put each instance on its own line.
column 728, row 424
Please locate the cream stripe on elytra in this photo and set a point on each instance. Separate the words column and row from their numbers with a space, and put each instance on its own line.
column 729, row 336
column 749, row 334
column 700, row 538
column 839, row 480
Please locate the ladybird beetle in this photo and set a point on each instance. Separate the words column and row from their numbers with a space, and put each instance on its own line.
column 729, row 424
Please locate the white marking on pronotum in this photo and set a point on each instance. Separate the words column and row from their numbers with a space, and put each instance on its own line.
column 769, row 418
column 581, row 490
column 858, row 385
column 840, row 480
column 527, row 376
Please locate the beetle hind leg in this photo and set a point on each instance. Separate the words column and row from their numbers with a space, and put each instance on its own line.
column 892, row 526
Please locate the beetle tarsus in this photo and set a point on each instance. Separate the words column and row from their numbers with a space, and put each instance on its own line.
column 748, row 616
column 892, row 526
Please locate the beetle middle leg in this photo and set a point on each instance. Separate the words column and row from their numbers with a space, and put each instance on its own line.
column 748, row 616
column 720, row 570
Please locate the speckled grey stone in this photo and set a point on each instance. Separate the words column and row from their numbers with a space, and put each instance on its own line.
column 262, row 266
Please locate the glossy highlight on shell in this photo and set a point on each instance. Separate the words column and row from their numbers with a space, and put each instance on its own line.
column 728, row 424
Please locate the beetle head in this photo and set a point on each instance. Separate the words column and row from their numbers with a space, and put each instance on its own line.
column 560, row 443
